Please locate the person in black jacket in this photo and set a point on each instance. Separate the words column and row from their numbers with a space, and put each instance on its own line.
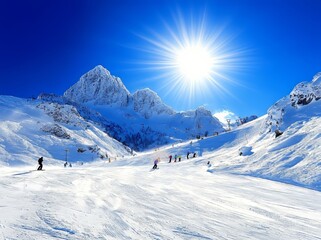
column 40, row 160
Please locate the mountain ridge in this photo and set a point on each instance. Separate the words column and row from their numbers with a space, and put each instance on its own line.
column 136, row 113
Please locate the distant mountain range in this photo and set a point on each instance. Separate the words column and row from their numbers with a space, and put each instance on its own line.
column 98, row 117
column 140, row 120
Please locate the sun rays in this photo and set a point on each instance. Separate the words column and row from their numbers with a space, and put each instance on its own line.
column 191, row 59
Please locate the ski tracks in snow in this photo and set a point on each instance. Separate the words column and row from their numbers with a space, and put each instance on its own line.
column 181, row 201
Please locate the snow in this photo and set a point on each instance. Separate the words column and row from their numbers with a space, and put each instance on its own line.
column 122, row 199
column 177, row 201
column 271, row 191
column 316, row 79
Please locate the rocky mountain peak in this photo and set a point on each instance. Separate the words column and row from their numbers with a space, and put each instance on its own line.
column 148, row 103
column 302, row 94
column 99, row 87
column 202, row 111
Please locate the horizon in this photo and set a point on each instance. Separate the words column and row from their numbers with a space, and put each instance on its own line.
column 263, row 49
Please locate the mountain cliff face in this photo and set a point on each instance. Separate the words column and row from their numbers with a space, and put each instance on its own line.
column 304, row 93
column 139, row 120
column 148, row 103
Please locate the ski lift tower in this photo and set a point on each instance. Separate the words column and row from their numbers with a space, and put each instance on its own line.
column 229, row 124
column 66, row 150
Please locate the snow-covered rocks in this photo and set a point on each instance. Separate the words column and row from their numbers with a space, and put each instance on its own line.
column 199, row 122
column 306, row 92
column 51, row 97
column 62, row 113
column 148, row 103
column 303, row 94
column 204, row 117
column 247, row 119
column 55, row 130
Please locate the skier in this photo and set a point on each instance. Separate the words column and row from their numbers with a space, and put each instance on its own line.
column 40, row 160
column 209, row 164
column 187, row 155
column 175, row 157
column 65, row 164
column 155, row 163
column 194, row 155
column 170, row 158
column 179, row 158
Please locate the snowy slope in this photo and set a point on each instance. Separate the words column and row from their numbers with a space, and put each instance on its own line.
column 293, row 157
column 124, row 200
column 31, row 128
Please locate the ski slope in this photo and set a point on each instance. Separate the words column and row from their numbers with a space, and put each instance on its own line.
column 125, row 200
column 271, row 191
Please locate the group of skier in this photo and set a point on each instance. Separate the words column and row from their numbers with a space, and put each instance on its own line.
column 156, row 161
column 176, row 158
column 179, row 157
column 66, row 164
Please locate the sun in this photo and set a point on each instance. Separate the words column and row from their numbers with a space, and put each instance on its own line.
column 194, row 63
column 189, row 59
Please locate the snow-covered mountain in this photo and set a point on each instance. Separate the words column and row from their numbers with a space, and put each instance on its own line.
column 140, row 120
column 99, row 87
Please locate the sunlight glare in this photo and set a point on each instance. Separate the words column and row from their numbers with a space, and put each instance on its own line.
column 194, row 63
column 189, row 61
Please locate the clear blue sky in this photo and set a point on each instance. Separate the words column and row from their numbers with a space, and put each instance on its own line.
column 45, row 46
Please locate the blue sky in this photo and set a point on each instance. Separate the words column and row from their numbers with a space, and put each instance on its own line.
column 45, row 46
